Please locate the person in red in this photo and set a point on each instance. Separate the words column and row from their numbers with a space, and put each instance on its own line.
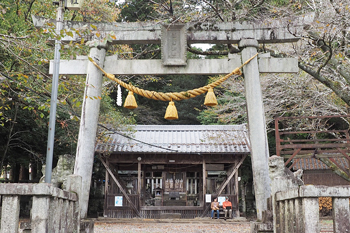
column 227, row 206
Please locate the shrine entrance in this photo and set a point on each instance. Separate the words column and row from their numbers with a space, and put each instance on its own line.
column 174, row 39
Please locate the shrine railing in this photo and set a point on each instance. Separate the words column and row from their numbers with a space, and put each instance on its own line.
column 297, row 210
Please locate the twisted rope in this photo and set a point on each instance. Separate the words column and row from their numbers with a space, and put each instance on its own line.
column 169, row 96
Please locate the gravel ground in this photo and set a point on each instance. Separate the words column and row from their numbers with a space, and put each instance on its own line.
column 178, row 227
column 170, row 227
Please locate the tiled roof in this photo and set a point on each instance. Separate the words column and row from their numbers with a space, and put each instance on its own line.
column 221, row 139
column 315, row 164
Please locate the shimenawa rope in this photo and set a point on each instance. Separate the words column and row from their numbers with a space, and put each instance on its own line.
column 169, row 96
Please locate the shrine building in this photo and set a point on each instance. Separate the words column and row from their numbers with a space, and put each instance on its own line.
column 160, row 169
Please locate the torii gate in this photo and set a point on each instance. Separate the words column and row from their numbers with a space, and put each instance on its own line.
column 174, row 39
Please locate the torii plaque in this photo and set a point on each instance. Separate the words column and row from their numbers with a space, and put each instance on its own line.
column 174, row 45
column 247, row 34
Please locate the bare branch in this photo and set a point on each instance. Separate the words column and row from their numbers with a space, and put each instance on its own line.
column 215, row 9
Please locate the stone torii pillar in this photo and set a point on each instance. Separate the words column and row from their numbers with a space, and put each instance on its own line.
column 88, row 126
column 257, row 126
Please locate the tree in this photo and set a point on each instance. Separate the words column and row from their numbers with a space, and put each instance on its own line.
column 26, row 86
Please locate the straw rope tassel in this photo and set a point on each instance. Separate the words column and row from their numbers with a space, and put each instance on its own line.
column 210, row 99
column 171, row 112
column 130, row 101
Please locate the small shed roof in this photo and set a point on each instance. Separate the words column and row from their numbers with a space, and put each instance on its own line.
column 315, row 164
column 221, row 139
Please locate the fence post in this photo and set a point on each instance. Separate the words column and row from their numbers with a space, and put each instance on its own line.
column 292, row 217
column 282, row 216
column 311, row 214
column 299, row 221
column 341, row 215
column 286, row 216
column 9, row 214
column 74, row 183
column 40, row 214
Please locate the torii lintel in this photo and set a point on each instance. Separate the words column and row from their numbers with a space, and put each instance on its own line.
column 268, row 31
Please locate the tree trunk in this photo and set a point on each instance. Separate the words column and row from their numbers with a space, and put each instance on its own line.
column 15, row 173
column 24, row 174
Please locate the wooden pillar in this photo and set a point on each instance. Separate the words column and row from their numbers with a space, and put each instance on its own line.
column 139, row 180
column 195, row 183
column 236, row 191
column 152, row 182
column 106, row 190
column 204, row 182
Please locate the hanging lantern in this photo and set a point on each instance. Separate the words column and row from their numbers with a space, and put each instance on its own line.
column 210, row 99
column 130, row 101
column 171, row 112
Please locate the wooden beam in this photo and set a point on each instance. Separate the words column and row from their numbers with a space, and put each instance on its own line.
column 309, row 155
column 344, row 154
column 133, row 207
column 231, row 175
column 150, row 159
column 294, row 154
column 198, row 208
column 313, row 146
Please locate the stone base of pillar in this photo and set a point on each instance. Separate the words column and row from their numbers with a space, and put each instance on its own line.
column 256, row 227
column 87, row 226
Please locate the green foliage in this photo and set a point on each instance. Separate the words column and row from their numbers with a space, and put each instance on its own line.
column 208, row 117
column 280, row 2
column 25, row 87
column 136, row 10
